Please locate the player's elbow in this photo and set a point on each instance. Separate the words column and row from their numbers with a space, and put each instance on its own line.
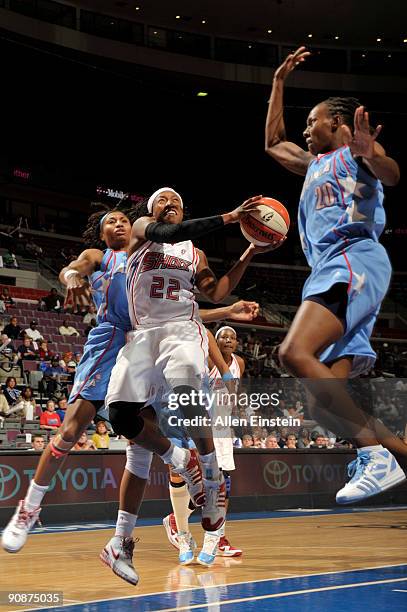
column 393, row 179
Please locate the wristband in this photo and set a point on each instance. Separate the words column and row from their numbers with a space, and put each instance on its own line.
column 69, row 273
column 227, row 376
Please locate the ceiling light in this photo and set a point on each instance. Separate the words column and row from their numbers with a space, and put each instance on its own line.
column 269, row 31
column 155, row 32
column 250, row 46
column 378, row 40
column 137, row 8
column 202, row 94
column 177, row 16
column 404, row 40
column 363, row 54
column 203, row 21
column 309, row 35
column 336, row 37
column 389, row 55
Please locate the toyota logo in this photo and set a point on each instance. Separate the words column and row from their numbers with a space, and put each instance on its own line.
column 8, row 478
column 277, row 474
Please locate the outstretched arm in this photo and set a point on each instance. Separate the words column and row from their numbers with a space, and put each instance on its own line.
column 288, row 154
column 146, row 228
column 239, row 311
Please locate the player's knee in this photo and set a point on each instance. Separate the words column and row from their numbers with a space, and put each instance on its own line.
column 125, row 419
column 138, row 461
column 292, row 356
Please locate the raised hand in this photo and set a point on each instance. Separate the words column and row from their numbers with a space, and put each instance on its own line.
column 361, row 142
column 243, row 311
column 291, row 61
column 244, row 209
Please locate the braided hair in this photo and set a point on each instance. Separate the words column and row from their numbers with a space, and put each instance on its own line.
column 91, row 234
column 344, row 107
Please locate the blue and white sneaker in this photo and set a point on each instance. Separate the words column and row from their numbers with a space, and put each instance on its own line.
column 209, row 549
column 186, row 547
column 372, row 472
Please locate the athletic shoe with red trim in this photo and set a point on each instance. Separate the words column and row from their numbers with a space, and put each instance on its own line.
column 170, row 526
column 214, row 510
column 118, row 555
column 192, row 474
column 15, row 534
column 225, row 549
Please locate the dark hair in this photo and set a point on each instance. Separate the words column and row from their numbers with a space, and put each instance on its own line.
column 344, row 107
column 92, row 231
column 10, row 378
column 27, row 389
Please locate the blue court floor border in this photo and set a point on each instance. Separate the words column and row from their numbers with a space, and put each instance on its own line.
column 382, row 588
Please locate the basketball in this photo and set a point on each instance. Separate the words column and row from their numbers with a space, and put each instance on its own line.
column 270, row 222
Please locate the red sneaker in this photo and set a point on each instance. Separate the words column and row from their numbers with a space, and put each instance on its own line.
column 226, row 550
column 171, row 529
column 192, row 474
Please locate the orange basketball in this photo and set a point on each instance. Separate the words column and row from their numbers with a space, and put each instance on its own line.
column 269, row 222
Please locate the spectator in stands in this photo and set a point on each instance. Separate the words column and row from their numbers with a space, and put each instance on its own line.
column 33, row 249
column 26, row 350
column 12, row 330
column 6, row 348
column 101, row 437
column 319, row 442
column 11, row 393
column 68, row 362
column 38, row 443
column 2, row 306
column 84, row 444
column 304, row 438
column 291, row 441
column 53, row 302
column 4, row 407
column 91, row 325
column 32, row 331
column 283, row 437
column 68, row 330
column 236, row 441
column 53, row 374
column 62, row 406
column 6, row 297
column 247, row 441
column 49, row 418
column 91, row 314
column 271, row 442
column 77, row 357
column 10, row 260
column 26, row 404
column 43, row 352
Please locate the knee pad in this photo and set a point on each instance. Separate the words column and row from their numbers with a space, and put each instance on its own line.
column 228, row 483
column 125, row 419
column 60, row 447
column 138, row 461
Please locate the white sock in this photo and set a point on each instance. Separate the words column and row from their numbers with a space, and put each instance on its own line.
column 377, row 447
column 34, row 497
column 125, row 524
column 210, row 466
column 180, row 501
column 176, row 456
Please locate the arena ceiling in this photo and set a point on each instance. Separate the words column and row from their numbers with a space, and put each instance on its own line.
column 354, row 22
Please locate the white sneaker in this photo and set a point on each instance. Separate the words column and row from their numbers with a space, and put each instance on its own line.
column 209, row 549
column 214, row 510
column 15, row 534
column 186, row 547
column 170, row 526
column 118, row 555
column 372, row 472
column 192, row 474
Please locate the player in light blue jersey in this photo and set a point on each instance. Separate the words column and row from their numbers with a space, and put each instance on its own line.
column 340, row 218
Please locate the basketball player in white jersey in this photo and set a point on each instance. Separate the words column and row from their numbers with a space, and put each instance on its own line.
column 168, row 347
column 215, row 543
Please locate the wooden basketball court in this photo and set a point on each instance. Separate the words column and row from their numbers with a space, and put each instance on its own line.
column 274, row 548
